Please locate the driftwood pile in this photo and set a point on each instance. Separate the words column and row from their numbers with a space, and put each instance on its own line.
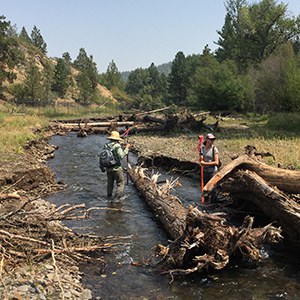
column 31, row 232
column 272, row 190
column 139, row 122
column 200, row 240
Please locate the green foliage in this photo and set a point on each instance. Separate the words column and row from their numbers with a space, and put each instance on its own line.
column 277, row 82
column 10, row 55
column 289, row 122
column 61, row 80
column 36, row 89
column 252, row 32
column 112, row 78
column 178, row 80
column 87, row 79
column 24, row 35
column 38, row 40
column 147, row 87
column 217, row 87
column 124, row 101
column 67, row 58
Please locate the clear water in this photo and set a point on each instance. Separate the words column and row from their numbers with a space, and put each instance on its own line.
column 277, row 276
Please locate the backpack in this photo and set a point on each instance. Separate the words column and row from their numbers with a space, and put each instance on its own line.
column 220, row 162
column 107, row 158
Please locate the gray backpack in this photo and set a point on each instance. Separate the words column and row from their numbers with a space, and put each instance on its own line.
column 106, row 158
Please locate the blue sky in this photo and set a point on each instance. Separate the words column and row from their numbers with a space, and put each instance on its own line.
column 133, row 33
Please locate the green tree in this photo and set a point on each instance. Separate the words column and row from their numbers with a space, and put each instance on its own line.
column 10, row 55
column 178, row 80
column 47, row 83
column 30, row 92
column 12, row 31
column 38, row 40
column 24, row 35
column 278, row 82
column 252, row 32
column 67, row 58
column 137, row 82
column 217, row 86
column 61, row 80
column 87, row 79
column 158, row 85
column 86, row 88
column 112, row 78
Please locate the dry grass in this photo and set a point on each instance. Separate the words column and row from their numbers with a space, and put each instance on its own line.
column 15, row 131
column 234, row 136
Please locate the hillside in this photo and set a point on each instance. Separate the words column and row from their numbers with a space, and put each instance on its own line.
column 33, row 60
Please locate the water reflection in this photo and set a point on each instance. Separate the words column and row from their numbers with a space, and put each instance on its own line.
column 76, row 163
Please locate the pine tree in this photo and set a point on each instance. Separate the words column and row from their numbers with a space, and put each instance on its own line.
column 61, row 80
column 67, row 58
column 112, row 78
column 178, row 80
column 87, row 79
column 24, row 35
column 10, row 55
column 38, row 40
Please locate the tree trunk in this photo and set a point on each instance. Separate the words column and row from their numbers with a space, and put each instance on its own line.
column 249, row 186
column 201, row 240
column 167, row 208
column 286, row 180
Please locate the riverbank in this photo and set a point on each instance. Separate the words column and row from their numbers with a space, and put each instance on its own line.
column 32, row 265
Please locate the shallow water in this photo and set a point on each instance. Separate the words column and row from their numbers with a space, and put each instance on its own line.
column 277, row 276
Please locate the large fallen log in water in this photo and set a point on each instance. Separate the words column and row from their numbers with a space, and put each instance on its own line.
column 249, row 180
column 249, row 186
column 201, row 240
column 167, row 208
column 94, row 124
column 286, row 180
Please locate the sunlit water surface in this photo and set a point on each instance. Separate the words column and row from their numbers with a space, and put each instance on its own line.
column 277, row 276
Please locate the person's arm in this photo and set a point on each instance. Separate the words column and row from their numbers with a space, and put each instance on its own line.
column 122, row 153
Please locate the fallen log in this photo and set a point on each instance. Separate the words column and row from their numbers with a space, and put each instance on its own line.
column 286, row 180
column 249, row 186
column 152, row 111
column 94, row 124
column 167, row 208
column 201, row 240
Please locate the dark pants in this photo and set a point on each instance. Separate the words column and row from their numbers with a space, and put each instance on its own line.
column 117, row 176
column 208, row 176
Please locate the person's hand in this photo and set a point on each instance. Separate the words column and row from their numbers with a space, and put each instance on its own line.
column 127, row 146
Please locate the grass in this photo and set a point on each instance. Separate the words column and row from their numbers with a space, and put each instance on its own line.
column 17, row 124
column 17, row 130
column 235, row 134
column 278, row 134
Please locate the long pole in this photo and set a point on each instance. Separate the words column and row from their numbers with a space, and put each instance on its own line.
column 202, row 183
column 125, row 134
column 127, row 175
column 201, row 138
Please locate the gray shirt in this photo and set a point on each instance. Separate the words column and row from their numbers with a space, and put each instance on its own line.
column 208, row 156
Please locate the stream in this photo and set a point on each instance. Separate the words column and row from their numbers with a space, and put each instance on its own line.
column 276, row 276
